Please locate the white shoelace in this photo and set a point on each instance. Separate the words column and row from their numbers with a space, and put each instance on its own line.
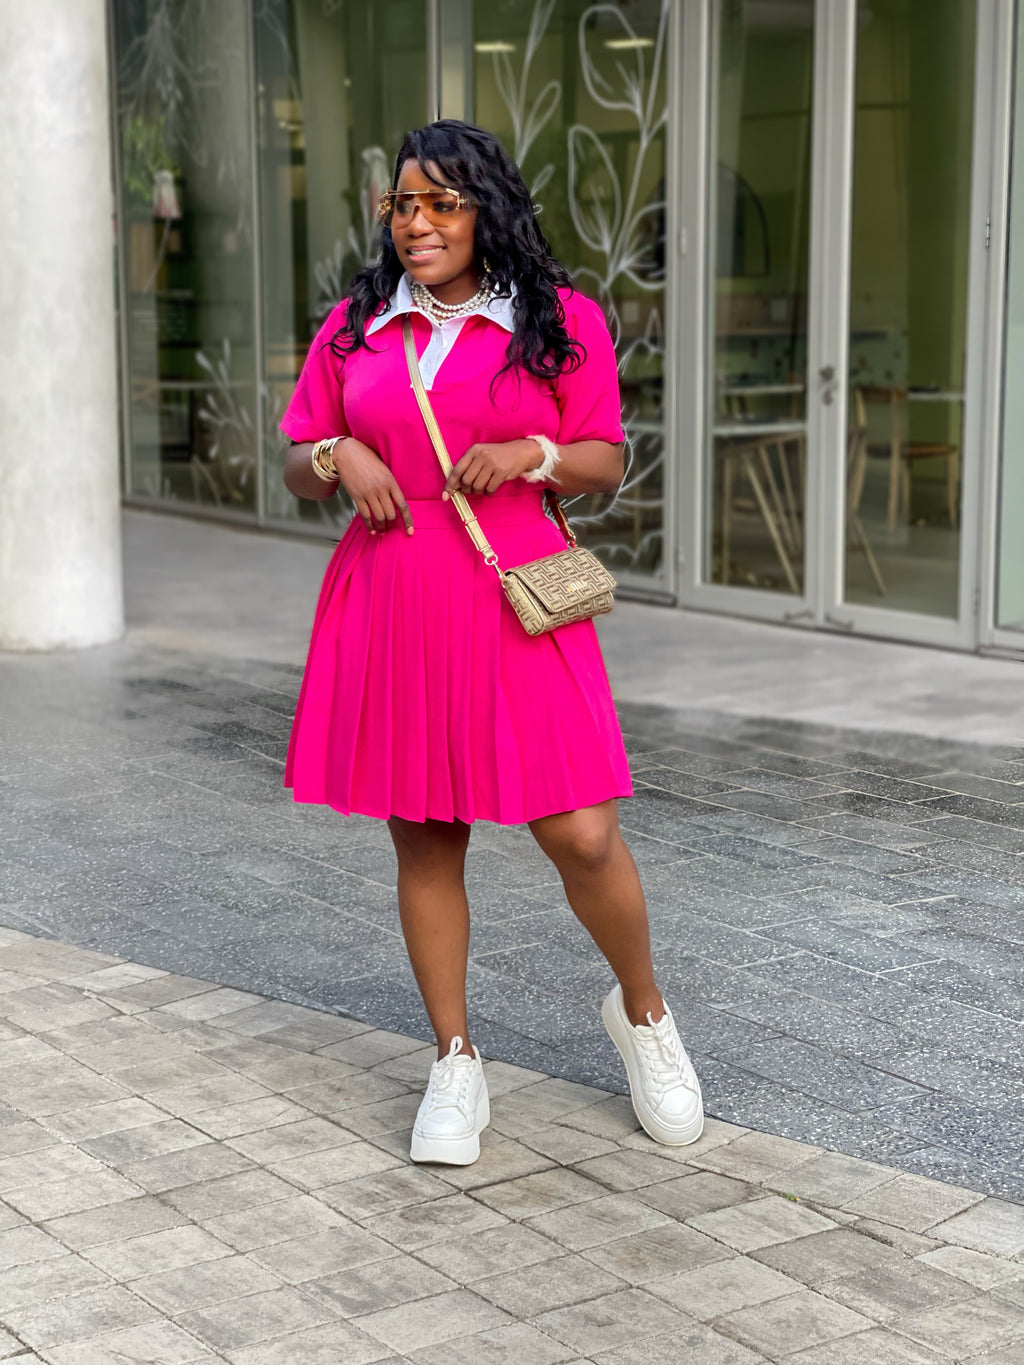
column 662, row 1055
column 451, row 1078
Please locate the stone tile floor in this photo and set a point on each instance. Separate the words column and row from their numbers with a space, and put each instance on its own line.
column 193, row 1173
column 837, row 916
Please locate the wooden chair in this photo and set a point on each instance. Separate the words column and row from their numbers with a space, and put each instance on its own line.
column 902, row 455
column 934, row 450
column 773, row 466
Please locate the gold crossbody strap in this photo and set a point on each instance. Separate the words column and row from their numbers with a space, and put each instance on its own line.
column 440, row 450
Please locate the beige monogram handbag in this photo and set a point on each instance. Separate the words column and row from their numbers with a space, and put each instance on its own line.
column 570, row 585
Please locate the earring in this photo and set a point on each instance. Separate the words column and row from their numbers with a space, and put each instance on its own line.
column 487, row 266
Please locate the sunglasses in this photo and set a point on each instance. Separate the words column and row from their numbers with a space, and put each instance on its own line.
column 436, row 205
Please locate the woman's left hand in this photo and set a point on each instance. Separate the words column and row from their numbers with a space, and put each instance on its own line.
column 484, row 468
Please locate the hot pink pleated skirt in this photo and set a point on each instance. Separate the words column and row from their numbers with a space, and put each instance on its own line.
column 423, row 697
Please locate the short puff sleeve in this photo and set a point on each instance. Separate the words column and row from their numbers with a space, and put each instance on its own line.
column 316, row 410
column 589, row 405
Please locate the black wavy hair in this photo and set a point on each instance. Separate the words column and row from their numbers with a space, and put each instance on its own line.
column 506, row 236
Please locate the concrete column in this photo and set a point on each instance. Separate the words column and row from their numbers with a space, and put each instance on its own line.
column 60, row 538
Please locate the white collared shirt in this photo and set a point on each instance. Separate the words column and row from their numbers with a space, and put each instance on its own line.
column 442, row 334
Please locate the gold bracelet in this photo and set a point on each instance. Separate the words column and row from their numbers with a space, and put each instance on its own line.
column 323, row 464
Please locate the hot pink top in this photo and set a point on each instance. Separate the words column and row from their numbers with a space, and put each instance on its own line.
column 367, row 394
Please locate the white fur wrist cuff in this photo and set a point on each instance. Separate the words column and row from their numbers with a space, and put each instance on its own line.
column 545, row 471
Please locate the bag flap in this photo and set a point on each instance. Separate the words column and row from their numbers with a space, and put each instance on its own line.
column 557, row 579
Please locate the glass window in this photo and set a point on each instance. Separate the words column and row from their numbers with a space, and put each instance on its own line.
column 578, row 95
column 1010, row 562
column 338, row 87
column 183, row 109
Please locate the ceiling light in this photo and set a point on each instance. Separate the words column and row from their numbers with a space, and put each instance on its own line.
column 494, row 47
column 619, row 44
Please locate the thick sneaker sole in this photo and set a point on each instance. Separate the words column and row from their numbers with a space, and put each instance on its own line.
column 617, row 1024
column 453, row 1151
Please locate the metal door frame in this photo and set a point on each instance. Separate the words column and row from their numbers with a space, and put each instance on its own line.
column 1002, row 73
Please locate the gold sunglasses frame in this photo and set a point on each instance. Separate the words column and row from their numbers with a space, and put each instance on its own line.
column 386, row 201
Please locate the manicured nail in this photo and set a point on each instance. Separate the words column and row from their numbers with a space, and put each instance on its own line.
column 408, row 530
column 444, row 497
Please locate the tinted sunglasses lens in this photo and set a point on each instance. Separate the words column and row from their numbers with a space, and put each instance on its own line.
column 435, row 204
column 441, row 204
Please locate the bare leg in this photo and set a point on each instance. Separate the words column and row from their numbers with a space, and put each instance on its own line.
column 603, row 887
column 435, row 919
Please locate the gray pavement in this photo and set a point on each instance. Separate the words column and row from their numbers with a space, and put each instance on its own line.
column 194, row 586
column 836, row 912
column 193, row 1174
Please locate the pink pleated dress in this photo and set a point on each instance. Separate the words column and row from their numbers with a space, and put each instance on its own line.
column 423, row 697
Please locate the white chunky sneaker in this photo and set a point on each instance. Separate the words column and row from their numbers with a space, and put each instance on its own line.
column 662, row 1082
column 454, row 1111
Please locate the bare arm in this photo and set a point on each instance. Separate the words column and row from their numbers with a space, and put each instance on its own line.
column 365, row 477
column 299, row 477
column 589, row 467
column 583, row 467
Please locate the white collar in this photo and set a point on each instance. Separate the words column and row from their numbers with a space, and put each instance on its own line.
column 499, row 310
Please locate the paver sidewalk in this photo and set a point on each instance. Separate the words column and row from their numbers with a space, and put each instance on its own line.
column 193, row 1173
column 835, row 915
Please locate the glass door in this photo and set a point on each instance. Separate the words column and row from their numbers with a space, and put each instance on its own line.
column 839, row 243
column 909, row 266
column 760, row 184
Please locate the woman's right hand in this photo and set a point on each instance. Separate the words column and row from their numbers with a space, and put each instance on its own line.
column 371, row 486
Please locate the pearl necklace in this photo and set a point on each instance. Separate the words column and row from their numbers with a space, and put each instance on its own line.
column 442, row 312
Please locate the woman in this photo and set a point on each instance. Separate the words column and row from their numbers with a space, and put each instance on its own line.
column 424, row 701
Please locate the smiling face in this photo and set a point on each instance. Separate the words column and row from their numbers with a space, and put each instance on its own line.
column 437, row 250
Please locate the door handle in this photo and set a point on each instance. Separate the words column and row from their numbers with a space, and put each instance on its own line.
column 827, row 375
